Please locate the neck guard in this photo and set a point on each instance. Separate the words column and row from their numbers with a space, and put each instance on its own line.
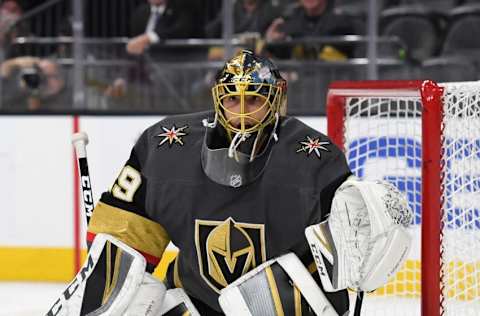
column 229, row 171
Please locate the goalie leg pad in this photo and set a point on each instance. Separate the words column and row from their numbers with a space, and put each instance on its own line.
column 280, row 286
column 177, row 303
column 112, row 282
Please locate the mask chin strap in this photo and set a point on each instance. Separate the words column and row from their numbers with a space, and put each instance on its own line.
column 274, row 133
column 213, row 124
column 236, row 141
column 259, row 134
column 254, row 148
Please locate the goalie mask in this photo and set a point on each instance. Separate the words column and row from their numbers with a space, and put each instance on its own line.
column 243, row 78
column 249, row 96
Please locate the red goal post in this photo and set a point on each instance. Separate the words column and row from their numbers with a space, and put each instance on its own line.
column 415, row 130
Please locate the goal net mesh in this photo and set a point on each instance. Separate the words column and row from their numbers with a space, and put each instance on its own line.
column 383, row 139
column 460, row 239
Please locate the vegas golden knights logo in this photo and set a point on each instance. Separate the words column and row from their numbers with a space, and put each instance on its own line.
column 227, row 250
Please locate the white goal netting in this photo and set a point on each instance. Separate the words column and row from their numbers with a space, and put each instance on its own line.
column 382, row 138
column 461, row 200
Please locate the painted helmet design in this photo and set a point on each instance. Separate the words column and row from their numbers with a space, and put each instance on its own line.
column 247, row 74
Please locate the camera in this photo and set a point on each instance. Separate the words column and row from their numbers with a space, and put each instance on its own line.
column 31, row 78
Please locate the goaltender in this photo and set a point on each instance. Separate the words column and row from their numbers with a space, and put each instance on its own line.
column 265, row 212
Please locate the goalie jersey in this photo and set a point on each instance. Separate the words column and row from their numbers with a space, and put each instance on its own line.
column 162, row 194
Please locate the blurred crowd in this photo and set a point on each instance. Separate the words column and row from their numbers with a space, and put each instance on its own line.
column 428, row 38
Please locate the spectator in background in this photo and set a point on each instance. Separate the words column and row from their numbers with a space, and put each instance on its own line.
column 310, row 18
column 31, row 83
column 251, row 19
column 249, row 16
column 10, row 13
column 155, row 86
column 158, row 20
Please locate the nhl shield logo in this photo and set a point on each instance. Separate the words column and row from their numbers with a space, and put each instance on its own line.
column 235, row 180
column 227, row 250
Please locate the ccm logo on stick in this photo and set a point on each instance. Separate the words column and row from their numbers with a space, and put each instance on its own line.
column 72, row 288
column 87, row 195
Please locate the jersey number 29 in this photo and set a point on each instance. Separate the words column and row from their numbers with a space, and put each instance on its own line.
column 127, row 184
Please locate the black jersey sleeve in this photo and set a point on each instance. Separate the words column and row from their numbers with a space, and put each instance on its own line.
column 328, row 191
column 121, row 211
column 330, row 174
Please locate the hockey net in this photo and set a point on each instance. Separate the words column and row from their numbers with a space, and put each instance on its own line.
column 425, row 139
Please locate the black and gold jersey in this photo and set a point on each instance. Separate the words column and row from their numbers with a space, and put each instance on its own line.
column 162, row 194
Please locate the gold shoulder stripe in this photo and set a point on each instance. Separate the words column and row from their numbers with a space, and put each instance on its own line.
column 138, row 232
column 297, row 297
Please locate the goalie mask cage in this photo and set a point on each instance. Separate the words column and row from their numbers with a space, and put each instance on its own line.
column 423, row 137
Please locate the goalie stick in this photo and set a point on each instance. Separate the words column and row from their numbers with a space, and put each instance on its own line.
column 80, row 141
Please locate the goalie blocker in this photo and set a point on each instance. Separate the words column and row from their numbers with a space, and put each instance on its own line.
column 113, row 281
column 364, row 241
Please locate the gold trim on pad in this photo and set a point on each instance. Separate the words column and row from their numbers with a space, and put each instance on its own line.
column 274, row 290
column 297, row 297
